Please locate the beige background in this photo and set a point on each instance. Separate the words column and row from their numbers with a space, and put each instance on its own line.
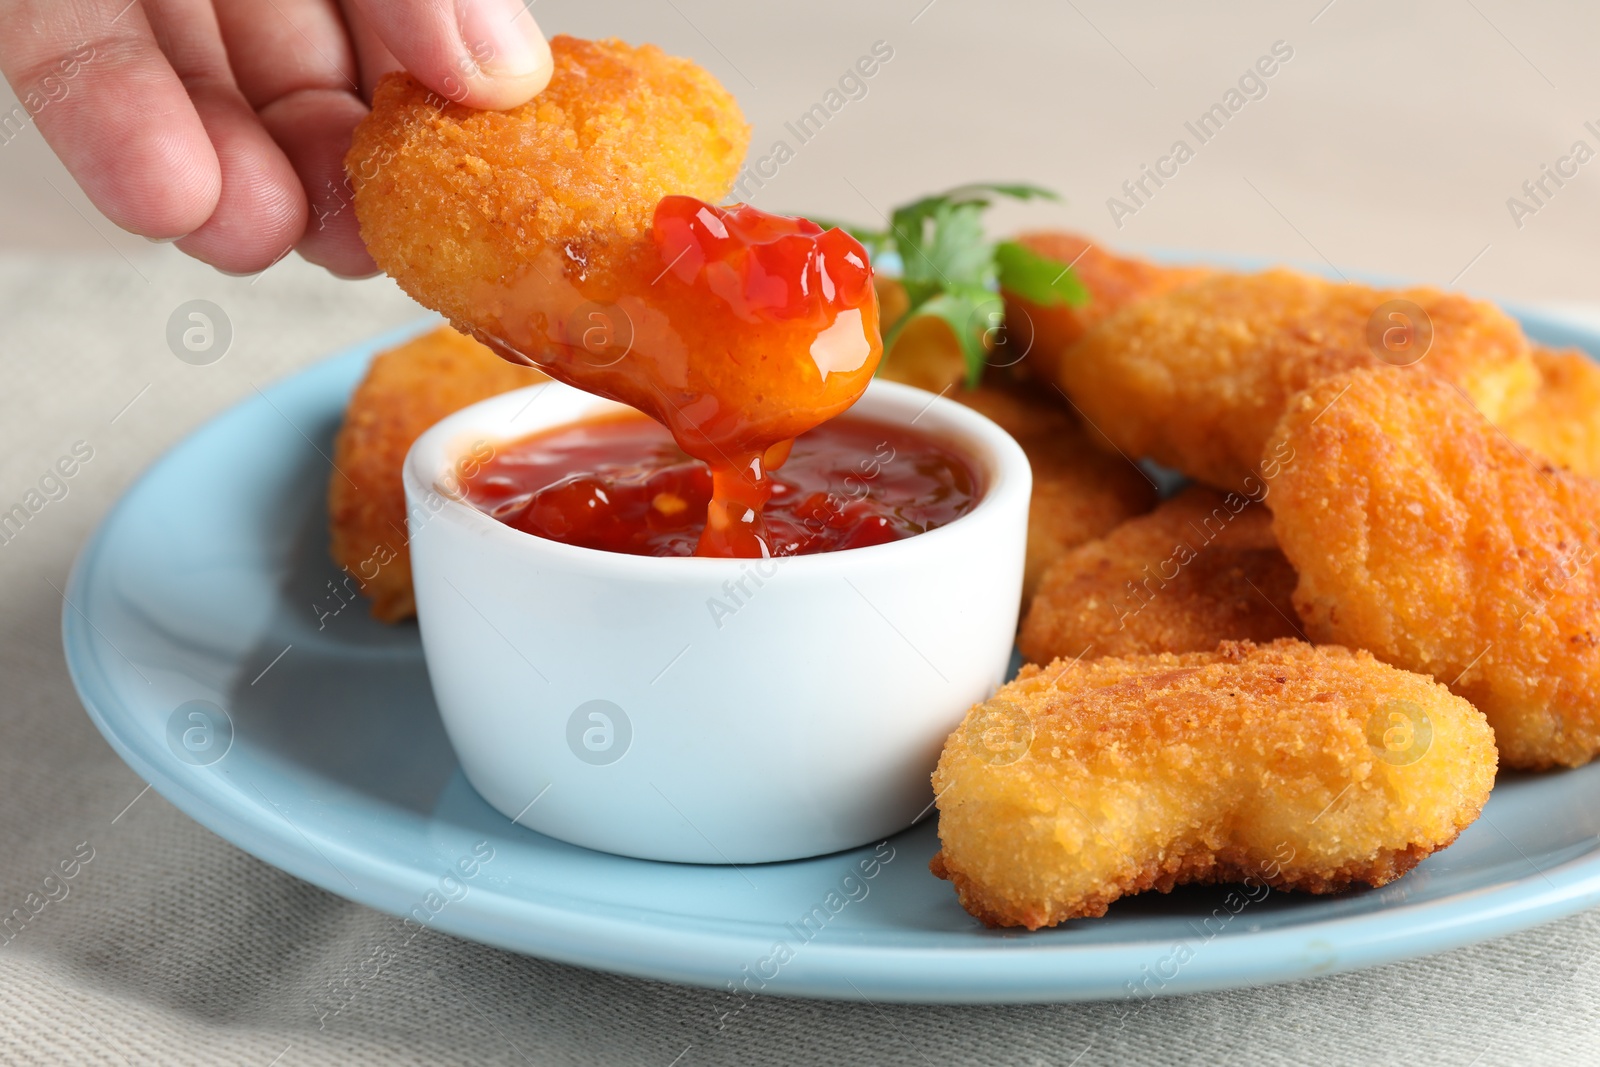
column 1389, row 143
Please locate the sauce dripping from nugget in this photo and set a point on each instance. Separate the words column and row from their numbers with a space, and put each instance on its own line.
column 621, row 484
column 555, row 232
column 736, row 329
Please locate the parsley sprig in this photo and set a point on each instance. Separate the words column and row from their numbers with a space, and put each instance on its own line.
column 950, row 271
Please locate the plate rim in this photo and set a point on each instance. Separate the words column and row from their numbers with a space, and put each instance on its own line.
column 996, row 970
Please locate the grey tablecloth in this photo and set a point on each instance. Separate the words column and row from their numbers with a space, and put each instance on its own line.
column 172, row 946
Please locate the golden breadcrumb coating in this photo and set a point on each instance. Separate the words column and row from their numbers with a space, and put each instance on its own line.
column 1201, row 568
column 544, row 231
column 1563, row 423
column 1113, row 282
column 928, row 355
column 1196, row 378
column 1283, row 765
column 405, row 391
column 1025, row 410
column 452, row 199
column 1079, row 492
column 1423, row 535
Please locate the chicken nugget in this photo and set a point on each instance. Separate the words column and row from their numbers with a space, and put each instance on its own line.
column 1025, row 410
column 1423, row 535
column 1196, row 378
column 1563, row 423
column 1281, row 765
column 579, row 233
column 1079, row 492
column 1201, row 568
column 1113, row 283
column 928, row 355
column 405, row 391
column 452, row 200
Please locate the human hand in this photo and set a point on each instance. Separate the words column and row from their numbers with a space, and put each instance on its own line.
column 223, row 124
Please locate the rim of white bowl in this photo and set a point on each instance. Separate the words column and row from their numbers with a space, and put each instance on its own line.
column 999, row 459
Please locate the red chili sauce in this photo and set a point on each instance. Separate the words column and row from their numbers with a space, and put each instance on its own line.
column 621, row 484
column 737, row 329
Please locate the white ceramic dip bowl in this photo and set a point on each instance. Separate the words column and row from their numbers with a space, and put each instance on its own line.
column 614, row 701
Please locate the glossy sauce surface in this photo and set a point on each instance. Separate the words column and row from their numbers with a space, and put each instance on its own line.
column 622, row 484
column 736, row 329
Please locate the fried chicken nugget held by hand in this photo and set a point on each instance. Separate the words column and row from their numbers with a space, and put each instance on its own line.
column 405, row 391
column 1196, row 378
column 451, row 200
column 1422, row 534
column 1079, row 491
column 1200, row 569
column 579, row 232
column 1563, row 423
column 1282, row 765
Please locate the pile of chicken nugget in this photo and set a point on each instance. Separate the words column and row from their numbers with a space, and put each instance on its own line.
column 1378, row 578
column 1298, row 670
column 1302, row 669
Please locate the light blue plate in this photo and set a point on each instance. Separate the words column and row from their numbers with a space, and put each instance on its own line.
column 207, row 583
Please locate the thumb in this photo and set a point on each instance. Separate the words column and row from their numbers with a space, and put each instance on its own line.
column 481, row 53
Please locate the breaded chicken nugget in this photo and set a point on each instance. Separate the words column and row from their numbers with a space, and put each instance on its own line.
column 406, row 390
column 1113, row 282
column 1196, row 378
column 928, row 355
column 1563, row 423
column 579, row 233
column 1421, row 534
column 1079, row 492
column 452, row 200
column 1284, row 765
column 1026, row 410
column 1201, row 568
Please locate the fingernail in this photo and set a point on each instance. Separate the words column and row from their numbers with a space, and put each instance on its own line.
column 165, row 240
column 502, row 38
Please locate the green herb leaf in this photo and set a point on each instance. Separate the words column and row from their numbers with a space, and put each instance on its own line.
column 943, row 246
column 951, row 272
column 976, row 193
column 969, row 312
column 1038, row 278
column 1015, row 190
